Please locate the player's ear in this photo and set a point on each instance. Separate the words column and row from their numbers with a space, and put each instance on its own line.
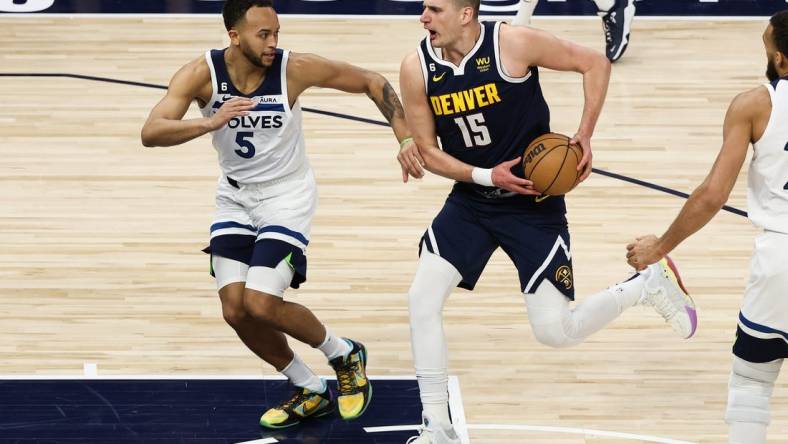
column 467, row 15
column 233, row 34
column 780, row 61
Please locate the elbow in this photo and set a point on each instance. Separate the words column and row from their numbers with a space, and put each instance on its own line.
column 710, row 199
column 375, row 83
column 148, row 141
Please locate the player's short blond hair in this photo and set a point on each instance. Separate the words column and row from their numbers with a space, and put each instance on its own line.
column 475, row 4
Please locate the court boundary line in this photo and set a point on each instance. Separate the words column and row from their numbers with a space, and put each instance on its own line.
column 656, row 18
column 534, row 428
column 601, row 172
column 178, row 377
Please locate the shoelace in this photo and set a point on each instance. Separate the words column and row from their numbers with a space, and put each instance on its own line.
column 608, row 32
column 345, row 376
column 664, row 306
column 294, row 400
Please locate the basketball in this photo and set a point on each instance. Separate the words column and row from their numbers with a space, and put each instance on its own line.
column 550, row 162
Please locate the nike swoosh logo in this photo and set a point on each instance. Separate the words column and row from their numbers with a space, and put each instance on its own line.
column 226, row 98
column 540, row 198
column 438, row 78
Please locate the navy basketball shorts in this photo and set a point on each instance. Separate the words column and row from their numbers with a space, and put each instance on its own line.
column 467, row 232
column 261, row 225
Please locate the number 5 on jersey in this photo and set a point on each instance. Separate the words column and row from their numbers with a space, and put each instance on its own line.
column 247, row 148
column 785, row 187
column 474, row 130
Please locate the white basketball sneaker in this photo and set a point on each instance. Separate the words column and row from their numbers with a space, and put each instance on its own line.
column 664, row 291
column 434, row 433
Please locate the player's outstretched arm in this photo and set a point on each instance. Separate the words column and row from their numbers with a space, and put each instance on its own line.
column 422, row 124
column 307, row 70
column 533, row 47
column 709, row 197
column 164, row 126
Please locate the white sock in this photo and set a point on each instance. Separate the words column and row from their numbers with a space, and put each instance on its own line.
column 525, row 12
column 747, row 433
column 434, row 280
column 604, row 5
column 300, row 375
column 334, row 347
column 433, row 389
column 629, row 292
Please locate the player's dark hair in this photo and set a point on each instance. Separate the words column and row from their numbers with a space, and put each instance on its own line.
column 779, row 23
column 235, row 10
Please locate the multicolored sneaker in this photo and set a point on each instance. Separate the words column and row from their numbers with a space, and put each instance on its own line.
column 355, row 390
column 664, row 291
column 303, row 404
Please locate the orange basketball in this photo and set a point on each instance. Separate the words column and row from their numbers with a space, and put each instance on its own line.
column 550, row 162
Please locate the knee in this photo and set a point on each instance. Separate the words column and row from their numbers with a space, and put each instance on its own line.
column 552, row 334
column 233, row 310
column 424, row 309
column 749, row 391
column 234, row 314
column 262, row 307
column 434, row 280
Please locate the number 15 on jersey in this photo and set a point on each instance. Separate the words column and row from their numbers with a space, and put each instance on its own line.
column 474, row 130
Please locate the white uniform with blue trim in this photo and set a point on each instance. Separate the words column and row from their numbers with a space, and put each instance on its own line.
column 267, row 190
column 764, row 311
column 268, row 143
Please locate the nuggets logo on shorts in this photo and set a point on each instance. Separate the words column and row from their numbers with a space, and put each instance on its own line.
column 564, row 276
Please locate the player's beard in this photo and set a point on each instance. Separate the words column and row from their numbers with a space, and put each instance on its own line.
column 771, row 70
column 252, row 57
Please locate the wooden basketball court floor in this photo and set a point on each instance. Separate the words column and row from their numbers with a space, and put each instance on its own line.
column 100, row 260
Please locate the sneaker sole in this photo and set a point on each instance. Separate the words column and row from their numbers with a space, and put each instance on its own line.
column 369, row 386
column 329, row 410
column 691, row 313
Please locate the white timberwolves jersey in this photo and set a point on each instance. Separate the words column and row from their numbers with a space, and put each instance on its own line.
column 767, row 184
column 764, row 310
column 268, row 143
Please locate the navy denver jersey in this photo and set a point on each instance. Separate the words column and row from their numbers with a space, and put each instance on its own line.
column 483, row 116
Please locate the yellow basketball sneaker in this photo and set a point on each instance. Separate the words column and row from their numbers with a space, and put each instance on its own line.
column 303, row 404
column 355, row 390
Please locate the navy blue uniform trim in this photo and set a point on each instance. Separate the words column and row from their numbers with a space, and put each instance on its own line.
column 467, row 232
column 284, row 230
column 231, row 224
column 271, row 85
column 270, row 252
column 238, row 247
column 775, row 82
column 761, row 328
column 263, row 253
column 758, row 350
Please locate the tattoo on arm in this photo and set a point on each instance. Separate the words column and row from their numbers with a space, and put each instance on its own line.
column 389, row 105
